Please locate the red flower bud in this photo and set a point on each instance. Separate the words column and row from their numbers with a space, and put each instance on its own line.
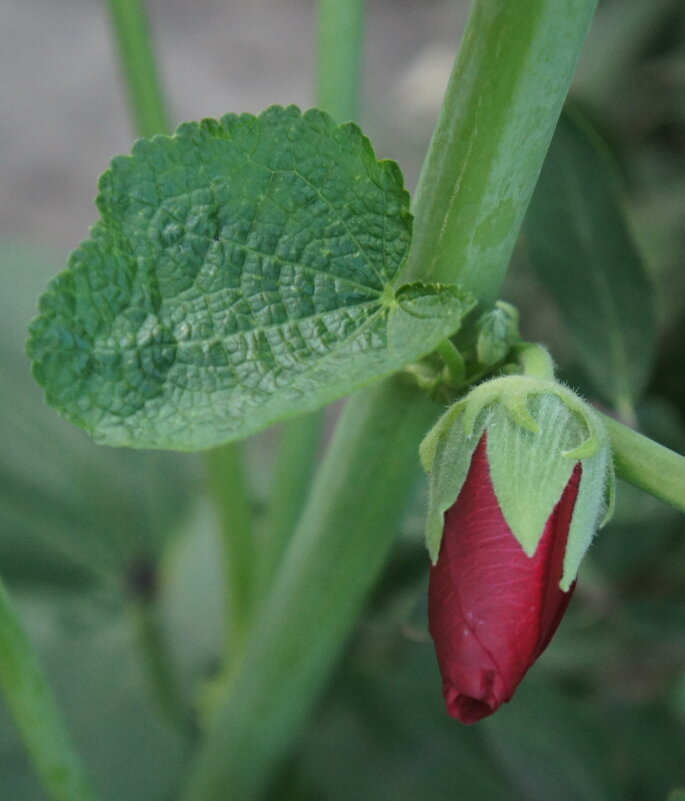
column 493, row 610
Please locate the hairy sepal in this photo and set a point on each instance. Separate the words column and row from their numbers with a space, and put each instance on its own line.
column 537, row 431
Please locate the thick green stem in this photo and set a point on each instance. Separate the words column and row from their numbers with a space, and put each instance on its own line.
column 229, row 487
column 503, row 100
column 298, row 450
column 340, row 545
column 646, row 464
column 146, row 99
column 35, row 713
column 339, row 67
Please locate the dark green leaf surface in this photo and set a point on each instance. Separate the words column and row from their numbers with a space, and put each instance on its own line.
column 584, row 254
column 367, row 744
column 552, row 748
column 241, row 273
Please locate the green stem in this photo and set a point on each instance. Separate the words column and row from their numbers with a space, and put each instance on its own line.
column 229, row 487
column 339, row 547
column 339, row 67
column 646, row 464
column 298, row 450
column 146, row 99
column 503, row 100
column 160, row 672
column 35, row 713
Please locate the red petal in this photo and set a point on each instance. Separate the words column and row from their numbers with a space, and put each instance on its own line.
column 492, row 609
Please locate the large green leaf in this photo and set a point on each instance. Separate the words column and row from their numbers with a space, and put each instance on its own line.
column 241, row 273
column 584, row 254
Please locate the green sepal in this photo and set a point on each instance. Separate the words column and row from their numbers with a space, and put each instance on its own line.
column 529, row 469
column 445, row 454
column 588, row 511
column 538, row 430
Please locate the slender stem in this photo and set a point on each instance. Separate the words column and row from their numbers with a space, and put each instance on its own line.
column 146, row 99
column 646, row 464
column 229, row 487
column 339, row 67
column 503, row 100
column 341, row 543
column 163, row 679
column 298, row 450
column 35, row 713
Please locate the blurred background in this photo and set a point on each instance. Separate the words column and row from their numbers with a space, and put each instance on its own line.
column 88, row 535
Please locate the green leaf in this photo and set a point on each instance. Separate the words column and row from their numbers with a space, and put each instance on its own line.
column 419, row 309
column 241, row 273
column 364, row 744
column 584, row 254
column 554, row 746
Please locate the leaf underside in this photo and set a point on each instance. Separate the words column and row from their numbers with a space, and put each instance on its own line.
column 582, row 249
column 241, row 273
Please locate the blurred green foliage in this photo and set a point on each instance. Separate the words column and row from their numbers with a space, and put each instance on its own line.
column 90, row 536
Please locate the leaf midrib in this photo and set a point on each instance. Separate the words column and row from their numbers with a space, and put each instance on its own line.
column 125, row 253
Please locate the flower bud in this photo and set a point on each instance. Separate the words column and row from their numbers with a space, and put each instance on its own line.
column 519, row 471
column 497, row 330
